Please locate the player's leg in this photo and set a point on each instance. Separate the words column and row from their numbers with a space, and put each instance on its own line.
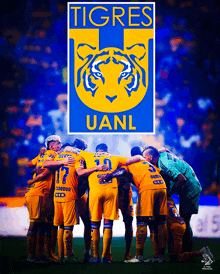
column 153, row 233
column 59, row 221
column 36, row 228
column 176, row 232
column 95, row 208
column 71, row 218
column 84, row 215
column 187, row 208
column 128, row 220
column 110, row 213
column 162, row 233
column 187, row 245
column 51, row 230
column 160, row 212
column 107, row 239
column 144, row 210
column 60, row 242
column 31, row 239
column 54, row 241
column 126, row 207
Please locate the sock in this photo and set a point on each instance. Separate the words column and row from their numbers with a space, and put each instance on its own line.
column 68, row 241
column 31, row 240
column 153, row 236
column 162, row 237
column 40, row 241
column 95, row 233
column 53, row 240
column 141, row 236
column 87, row 232
column 60, row 241
column 107, row 237
column 128, row 240
column 188, row 255
column 47, row 240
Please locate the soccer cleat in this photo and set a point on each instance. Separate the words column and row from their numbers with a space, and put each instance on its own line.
column 42, row 260
column 138, row 259
column 110, row 258
column 95, row 260
column 127, row 258
column 55, row 256
column 69, row 260
column 105, row 260
column 31, row 260
column 87, row 258
column 206, row 250
column 155, row 259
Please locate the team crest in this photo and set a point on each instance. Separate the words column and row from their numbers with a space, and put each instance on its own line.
column 111, row 67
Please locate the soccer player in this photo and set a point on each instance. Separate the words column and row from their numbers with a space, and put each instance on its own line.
column 152, row 199
column 176, row 229
column 83, row 186
column 65, row 199
column 40, row 205
column 185, row 184
column 103, row 197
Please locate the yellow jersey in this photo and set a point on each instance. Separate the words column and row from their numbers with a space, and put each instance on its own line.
column 146, row 176
column 66, row 180
column 42, row 187
column 100, row 158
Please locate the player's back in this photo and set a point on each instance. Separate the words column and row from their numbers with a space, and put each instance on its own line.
column 102, row 158
column 146, row 176
column 44, row 186
column 66, row 180
column 175, row 166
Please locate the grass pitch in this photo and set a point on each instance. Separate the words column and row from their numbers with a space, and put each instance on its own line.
column 13, row 252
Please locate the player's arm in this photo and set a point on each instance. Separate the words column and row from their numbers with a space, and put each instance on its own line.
column 81, row 171
column 134, row 159
column 56, row 164
column 179, row 182
column 115, row 174
column 42, row 176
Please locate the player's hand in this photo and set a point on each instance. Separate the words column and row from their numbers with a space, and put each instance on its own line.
column 68, row 161
column 102, row 168
column 103, row 178
column 42, row 150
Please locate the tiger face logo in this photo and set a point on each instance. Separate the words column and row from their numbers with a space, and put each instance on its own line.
column 111, row 80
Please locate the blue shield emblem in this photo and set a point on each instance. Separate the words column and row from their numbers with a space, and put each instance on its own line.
column 111, row 51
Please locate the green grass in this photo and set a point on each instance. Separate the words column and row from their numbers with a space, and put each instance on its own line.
column 13, row 251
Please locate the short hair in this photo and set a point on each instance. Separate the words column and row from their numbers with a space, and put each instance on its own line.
column 65, row 145
column 136, row 151
column 102, row 147
column 51, row 138
column 152, row 151
column 80, row 144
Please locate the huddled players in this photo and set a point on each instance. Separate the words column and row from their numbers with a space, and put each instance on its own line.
column 70, row 182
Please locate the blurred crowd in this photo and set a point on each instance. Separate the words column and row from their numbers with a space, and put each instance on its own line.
column 33, row 105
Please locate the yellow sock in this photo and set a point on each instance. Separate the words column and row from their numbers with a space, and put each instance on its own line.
column 141, row 236
column 68, row 243
column 95, row 238
column 107, row 238
column 60, row 242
